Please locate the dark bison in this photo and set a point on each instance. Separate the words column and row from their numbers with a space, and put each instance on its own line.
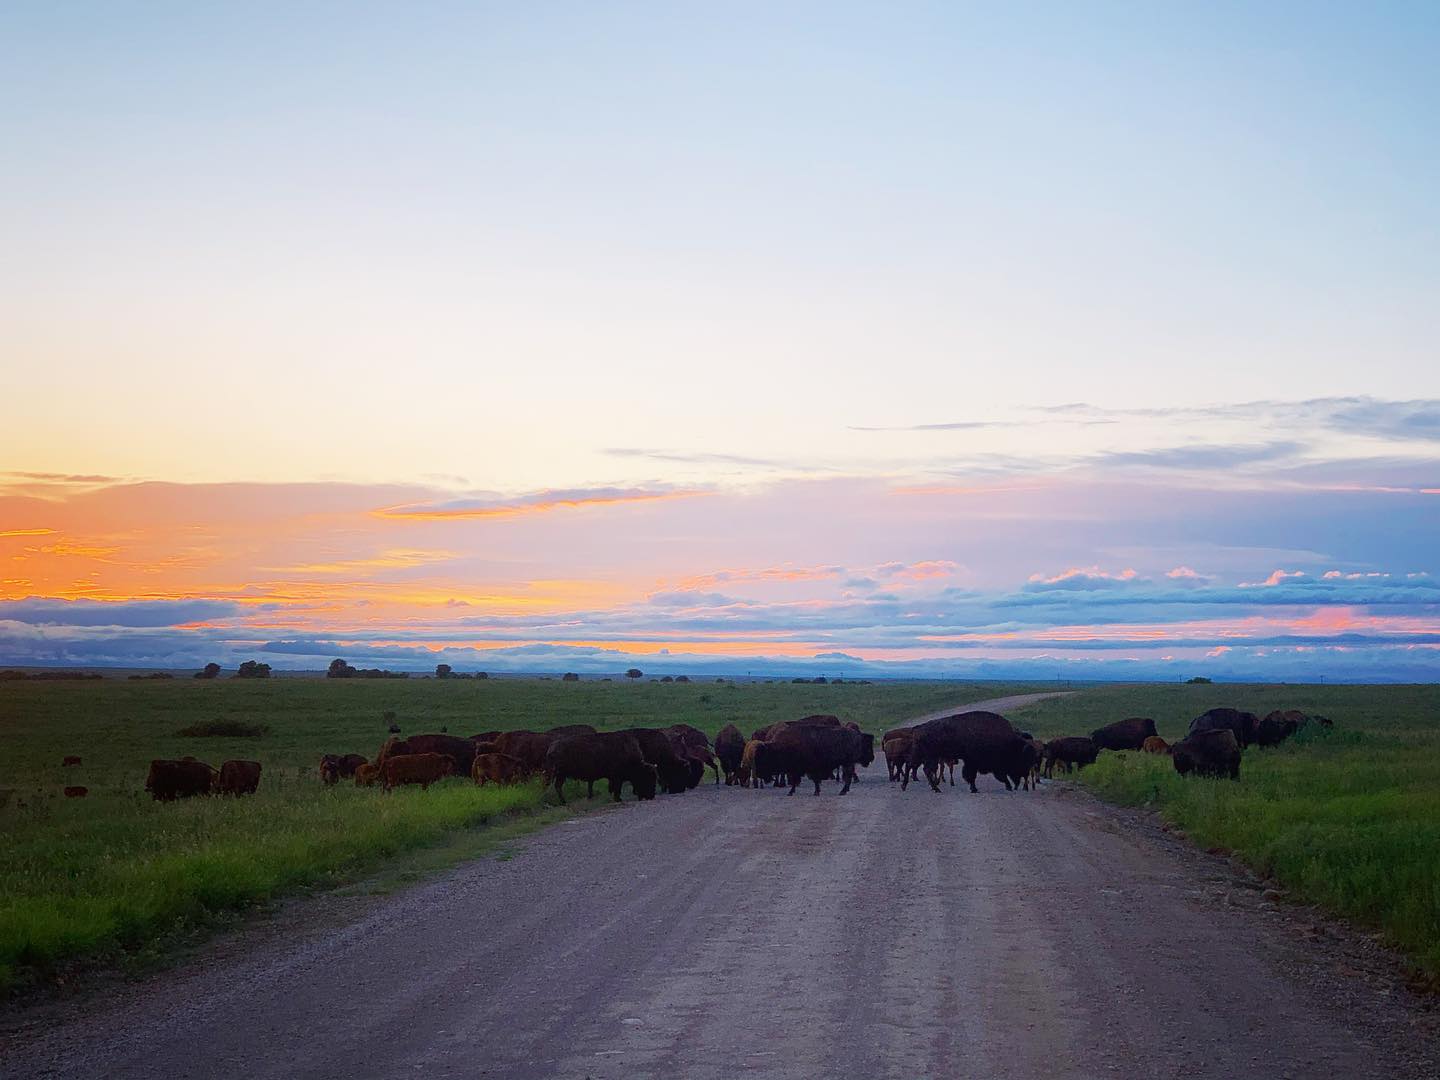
column 497, row 769
column 76, row 792
column 689, row 735
column 1240, row 724
column 70, row 759
column 337, row 767
column 1026, row 764
column 814, row 747
column 984, row 741
column 1278, row 726
column 171, row 780
column 730, row 748
column 672, row 770
column 699, row 759
column 461, row 752
column 238, row 778
column 1124, row 734
column 528, row 747
column 1069, row 751
column 423, row 769
column 1214, row 752
column 613, row 756
column 1155, row 745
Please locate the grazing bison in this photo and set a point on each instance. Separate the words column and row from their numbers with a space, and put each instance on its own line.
column 423, row 769
column 1212, row 752
column 76, row 792
column 366, row 775
column 1278, row 726
column 755, row 764
column 238, row 778
column 730, row 749
column 461, row 752
column 337, row 767
column 497, row 769
column 689, row 735
column 700, row 759
column 672, row 770
column 984, row 741
column 1240, row 724
column 613, row 756
column 1124, row 734
column 1155, row 745
column 1069, row 751
column 70, row 759
column 171, row 780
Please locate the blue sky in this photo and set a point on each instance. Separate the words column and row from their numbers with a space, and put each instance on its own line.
column 565, row 306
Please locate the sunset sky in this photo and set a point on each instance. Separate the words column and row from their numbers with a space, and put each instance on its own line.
column 1089, row 340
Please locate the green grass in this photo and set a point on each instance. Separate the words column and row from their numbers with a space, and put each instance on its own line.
column 1347, row 818
column 111, row 875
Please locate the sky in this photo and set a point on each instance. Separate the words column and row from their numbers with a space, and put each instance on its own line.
column 1066, row 340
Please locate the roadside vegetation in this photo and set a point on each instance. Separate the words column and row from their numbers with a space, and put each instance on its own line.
column 112, row 873
column 1347, row 818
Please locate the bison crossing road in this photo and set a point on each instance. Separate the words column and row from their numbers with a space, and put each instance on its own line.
column 723, row 934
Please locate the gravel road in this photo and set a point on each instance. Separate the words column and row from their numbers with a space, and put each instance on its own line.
column 729, row 932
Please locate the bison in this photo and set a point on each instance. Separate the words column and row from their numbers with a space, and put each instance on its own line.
column 1124, row 734
column 422, row 769
column 984, row 741
column 337, row 767
column 814, row 747
column 1212, row 752
column 70, row 759
column 76, row 792
column 366, row 775
column 1155, row 745
column 672, row 770
column 171, row 780
column 730, row 749
column 1069, row 751
column 896, row 748
column 615, row 757
column 1240, row 724
column 497, row 768
column 461, row 752
column 755, row 764
column 1278, row 726
column 238, row 778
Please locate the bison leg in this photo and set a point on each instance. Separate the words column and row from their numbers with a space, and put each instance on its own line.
column 559, row 788
column 615, row 786
column 590, row 791
column 933, row 774
column 968, row 774
column 849, row 776
column 794, row 781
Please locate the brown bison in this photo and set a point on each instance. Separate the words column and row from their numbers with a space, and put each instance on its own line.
column 497, row 769
column 730, row 748
column 614, row 756
column 337, row 767
column 1240, row 724
column 896, row 748
column 984, row 741
column 813, row 748
column 1212, row 752
column 422, row 769
column 1070, row 751
column 366, row 775
column 1155, row 745
column 70, row 759
column 461, row 752
column 1124, row 734
column 754, row 764
column 672, row 770
column 76, row 792
column 171, row 780
column 238, row 778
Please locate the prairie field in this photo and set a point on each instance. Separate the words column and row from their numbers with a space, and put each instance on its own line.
column 1347, row 818
column 111, row 874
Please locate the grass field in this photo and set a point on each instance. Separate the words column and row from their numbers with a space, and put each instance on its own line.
column 113, row 873
column 1347, row 818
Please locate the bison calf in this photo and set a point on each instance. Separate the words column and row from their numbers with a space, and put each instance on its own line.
column 1069, row 751
column 1155, row 745
column 337, row 767
column 76, row 792
column 497, row 769
column 366, row 775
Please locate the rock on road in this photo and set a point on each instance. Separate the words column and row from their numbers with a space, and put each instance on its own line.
column 731, row 931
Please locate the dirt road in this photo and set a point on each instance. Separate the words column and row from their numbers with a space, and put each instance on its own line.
column 729, row 932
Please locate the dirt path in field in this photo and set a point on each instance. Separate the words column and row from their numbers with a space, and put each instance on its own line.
column 731, row 932
column 999, row 704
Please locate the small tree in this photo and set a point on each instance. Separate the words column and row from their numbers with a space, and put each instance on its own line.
column 569, row 676
column 634, row 673
column 339, row 669
column 666, row 678
column 252, row 669
column 443, row 671
column 682, row 678
column 212, row 670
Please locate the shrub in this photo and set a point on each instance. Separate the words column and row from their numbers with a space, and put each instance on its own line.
column 211, row 671
column 570, row 676
column 253, row 669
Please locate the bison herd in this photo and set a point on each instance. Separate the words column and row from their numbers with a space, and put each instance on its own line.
column 818, row 748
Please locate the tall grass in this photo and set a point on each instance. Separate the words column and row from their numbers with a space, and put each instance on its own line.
column 1347, row 818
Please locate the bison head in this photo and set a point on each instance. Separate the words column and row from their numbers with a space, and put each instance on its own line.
column 644, row 782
